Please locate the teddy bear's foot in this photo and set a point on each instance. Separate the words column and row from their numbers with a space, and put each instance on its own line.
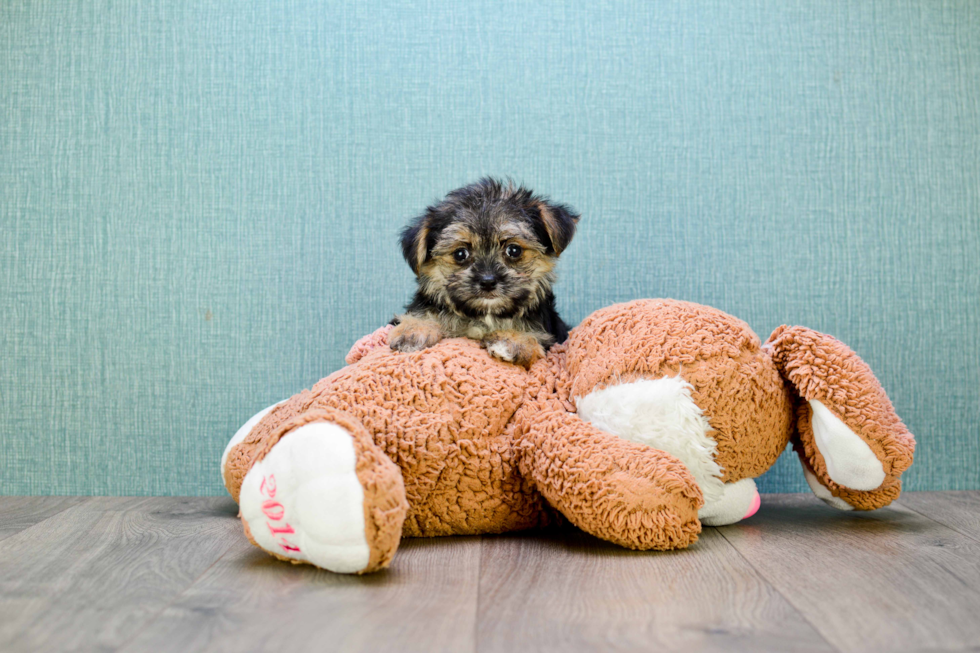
column 325, row 495
column 739, row 500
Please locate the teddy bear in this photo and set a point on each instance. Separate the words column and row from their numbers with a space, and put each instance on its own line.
column 650, row 421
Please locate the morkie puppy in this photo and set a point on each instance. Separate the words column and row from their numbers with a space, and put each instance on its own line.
column 485, row 261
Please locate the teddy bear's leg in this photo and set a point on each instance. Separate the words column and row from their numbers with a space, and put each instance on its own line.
column 661, row 413
column 241, row 434
column 325, row 494
column 852, row 445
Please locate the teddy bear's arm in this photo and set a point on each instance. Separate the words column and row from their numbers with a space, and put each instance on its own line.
column 368, row 343
column 851, row 443
column 623, row 492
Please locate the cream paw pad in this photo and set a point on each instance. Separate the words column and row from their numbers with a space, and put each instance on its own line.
column 304, row 501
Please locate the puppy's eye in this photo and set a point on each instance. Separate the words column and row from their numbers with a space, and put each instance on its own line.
column 514, row 251
column 461, row 254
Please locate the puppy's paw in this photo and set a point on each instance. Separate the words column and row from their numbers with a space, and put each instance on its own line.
column 414, row 334
column 513, row 347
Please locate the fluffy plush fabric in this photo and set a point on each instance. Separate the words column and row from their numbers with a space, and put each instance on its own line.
column 450, row 441
column 438, row 415
column 659, row 413
column 737, row 387
column 822, row 368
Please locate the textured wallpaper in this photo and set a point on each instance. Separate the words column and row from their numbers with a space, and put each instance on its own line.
column 199, row 201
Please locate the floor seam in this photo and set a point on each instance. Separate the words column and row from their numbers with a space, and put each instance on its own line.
column 55, row 514
column 936, row 521
column 790, row 603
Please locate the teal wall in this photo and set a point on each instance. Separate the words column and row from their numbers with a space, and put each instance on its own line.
column 200, row 200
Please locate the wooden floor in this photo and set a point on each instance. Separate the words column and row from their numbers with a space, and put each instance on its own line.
column 176, row 574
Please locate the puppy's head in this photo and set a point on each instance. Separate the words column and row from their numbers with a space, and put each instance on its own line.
column 488, row 248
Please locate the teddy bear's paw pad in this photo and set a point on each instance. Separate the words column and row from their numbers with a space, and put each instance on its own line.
column 304, row 501
column 850, row 461
column 739, row 500
column 823, row 493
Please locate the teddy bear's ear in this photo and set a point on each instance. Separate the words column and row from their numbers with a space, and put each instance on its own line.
column 415, row 242
column 559, row 221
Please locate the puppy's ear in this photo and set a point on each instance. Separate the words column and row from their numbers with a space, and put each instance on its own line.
column 415, row 239
column 559, row 222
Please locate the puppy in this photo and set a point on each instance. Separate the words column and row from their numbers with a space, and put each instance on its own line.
column 485, row 261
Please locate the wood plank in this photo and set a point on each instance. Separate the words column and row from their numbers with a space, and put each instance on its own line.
column 90, row 576
column 888, row 580
column 566, row 591
column 957, row 510
column 426, row 601
column 19, row 513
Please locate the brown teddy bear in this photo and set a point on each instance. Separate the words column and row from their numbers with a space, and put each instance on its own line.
column 651, row 420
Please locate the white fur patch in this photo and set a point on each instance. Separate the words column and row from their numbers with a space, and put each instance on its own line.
column 823, row 493
column 850, row 461
column 662, row 414
column 304, row 501
column 242, row 433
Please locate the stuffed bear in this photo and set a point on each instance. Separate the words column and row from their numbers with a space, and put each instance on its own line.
column 651, row 420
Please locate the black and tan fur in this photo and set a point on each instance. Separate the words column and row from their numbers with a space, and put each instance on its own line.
column 485, row 259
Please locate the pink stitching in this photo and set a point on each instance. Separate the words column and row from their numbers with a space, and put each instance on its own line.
column 275, row 530
column 275, row 511
column 271, row 479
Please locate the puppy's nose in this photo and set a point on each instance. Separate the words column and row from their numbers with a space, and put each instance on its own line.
column 487, row 281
